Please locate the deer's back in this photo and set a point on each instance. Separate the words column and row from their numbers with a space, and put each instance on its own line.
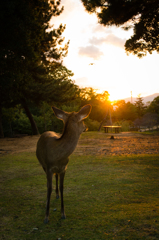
column 49, row 152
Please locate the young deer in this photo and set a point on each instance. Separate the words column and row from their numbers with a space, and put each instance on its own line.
column 53, row 151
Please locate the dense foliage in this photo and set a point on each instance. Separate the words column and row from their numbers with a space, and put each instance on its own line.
column 142, row 16
column 32, row 77
column 126, row 114
column 30, row 57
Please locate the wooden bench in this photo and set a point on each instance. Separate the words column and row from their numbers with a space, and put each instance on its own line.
column 116, row 128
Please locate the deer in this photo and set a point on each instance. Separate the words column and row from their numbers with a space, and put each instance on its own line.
column 53, row 151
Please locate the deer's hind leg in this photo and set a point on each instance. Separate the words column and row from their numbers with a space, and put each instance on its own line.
column 57, row 189
column 49, row 191
column 62, row 175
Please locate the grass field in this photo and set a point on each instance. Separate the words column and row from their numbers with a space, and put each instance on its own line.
column 105, row 198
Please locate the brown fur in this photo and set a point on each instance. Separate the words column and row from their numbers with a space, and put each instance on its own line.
column 53, row 151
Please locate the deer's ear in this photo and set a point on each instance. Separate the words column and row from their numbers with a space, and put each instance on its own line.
column 60, row 114
column 84, row 112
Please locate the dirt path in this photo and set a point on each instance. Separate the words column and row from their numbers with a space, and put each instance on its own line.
column 18, row 145
column 123, row 144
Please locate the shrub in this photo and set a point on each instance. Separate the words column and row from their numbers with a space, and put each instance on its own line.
column 92, row 125
column 22, row 124
column 125, row 125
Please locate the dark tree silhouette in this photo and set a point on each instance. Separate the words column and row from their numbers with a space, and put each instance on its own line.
column 141, row 15
column 30, row 56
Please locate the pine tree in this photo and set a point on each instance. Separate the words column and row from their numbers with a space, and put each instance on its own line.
column 141, row 15
column 31, row 54
column 140, row 107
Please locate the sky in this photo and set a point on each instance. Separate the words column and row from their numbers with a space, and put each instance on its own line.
column 97, row 57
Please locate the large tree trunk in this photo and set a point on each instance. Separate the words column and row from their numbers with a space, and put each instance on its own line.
column 29, row 115
column 1, row 128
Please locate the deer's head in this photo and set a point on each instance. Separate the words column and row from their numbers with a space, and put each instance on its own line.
column 74, row 120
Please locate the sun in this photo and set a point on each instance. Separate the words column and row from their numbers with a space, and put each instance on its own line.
column 114, row 97
column 116, row 94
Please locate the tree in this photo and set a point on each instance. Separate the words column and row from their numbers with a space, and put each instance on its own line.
column 124, row 111
column 100, row 104
column 154, row 106
column 105, row 104
column 30, row 56
column 1, row 127
column 140, row 107
column 98, row 101
column 150, row 120
column 141, row 15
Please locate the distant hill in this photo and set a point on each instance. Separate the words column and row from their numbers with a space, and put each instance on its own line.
column 146, row 99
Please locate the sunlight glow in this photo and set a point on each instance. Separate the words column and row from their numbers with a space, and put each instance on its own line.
column 112, row 70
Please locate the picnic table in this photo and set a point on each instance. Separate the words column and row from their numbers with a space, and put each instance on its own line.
column 116, row 128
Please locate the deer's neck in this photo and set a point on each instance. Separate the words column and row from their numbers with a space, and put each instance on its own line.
column 69, row 140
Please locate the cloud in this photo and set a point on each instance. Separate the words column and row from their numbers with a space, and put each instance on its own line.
column 71, row 8
column 82, row 81
column 90, row 51
column 100, row 28
column 110, row 39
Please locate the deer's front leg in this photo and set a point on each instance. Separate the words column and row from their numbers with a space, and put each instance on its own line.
column 49, row 191
column 62, row 175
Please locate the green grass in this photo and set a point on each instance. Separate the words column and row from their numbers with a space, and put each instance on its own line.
column 94, row 135
column 105, row 198
column 151, row 132
column 154, row 132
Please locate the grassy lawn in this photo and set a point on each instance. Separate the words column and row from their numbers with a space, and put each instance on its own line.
column 154, row 132
column 105, row 198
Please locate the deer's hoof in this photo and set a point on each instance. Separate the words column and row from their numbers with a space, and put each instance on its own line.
column 63, row 217
column 46, row 220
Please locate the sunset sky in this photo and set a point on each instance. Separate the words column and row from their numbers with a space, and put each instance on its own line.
column 112, row 69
